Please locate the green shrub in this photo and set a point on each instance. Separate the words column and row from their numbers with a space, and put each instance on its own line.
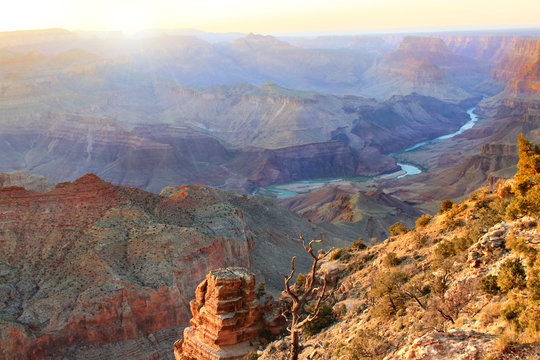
column 358, row 245
column 533, row 283
column 336, row 254
column 489, row 285
column 446, row 205
column 260, row 290
column 461, row 244
column 387, row 294
column 397, row 229
column 526, row 181
column 511, row 310
column 325, row 318
column 301, row 279
column 511, row 275
column 423, row 220
column 391, row 260
column 445, row 249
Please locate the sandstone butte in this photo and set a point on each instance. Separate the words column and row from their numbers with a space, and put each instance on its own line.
column 227, row 318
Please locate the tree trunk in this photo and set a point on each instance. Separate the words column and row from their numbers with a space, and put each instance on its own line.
column 294, row 345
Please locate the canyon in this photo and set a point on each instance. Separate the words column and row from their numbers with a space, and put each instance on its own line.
column 105, row 266
column 486, row 152
column 89, row 269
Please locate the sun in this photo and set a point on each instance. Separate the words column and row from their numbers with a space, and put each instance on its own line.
column 129, row 17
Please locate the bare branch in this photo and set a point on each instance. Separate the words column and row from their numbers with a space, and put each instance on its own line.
column 287, row 286
column 296, row 321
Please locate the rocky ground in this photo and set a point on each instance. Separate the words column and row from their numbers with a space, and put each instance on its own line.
column 422, row 294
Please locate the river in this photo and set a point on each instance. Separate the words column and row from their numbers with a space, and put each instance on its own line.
column 281, row 191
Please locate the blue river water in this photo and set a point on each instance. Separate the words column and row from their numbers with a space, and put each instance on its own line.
column 281, row 191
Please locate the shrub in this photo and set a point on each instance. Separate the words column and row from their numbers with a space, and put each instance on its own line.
column 489, row 285
column 251, row 356
column 533, row 283
column 397, row 229
column 391, row 260
column 301, row 279
column 511, row 310
column 336, row 254
column 260, row 290
column 358, row 245
column 530, row 320
column 446, row 205
column 520, row 246
column 505, row 343
column 368, row 344
column 511, row 275
column 325, row 318
column 526, row 181
column 490, row 314
column 386, row 291
column 423, row 220
column 445, row 249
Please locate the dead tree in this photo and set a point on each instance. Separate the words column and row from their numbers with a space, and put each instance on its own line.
column 298, row 318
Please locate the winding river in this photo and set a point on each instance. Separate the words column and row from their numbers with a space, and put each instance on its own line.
column 299, row 187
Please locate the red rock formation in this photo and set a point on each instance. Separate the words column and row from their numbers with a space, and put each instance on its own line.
column 226, row 316
column 521, row 68
column 490, row 48
column 92, row 268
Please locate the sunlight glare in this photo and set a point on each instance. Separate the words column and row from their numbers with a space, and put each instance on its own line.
column 129, row 17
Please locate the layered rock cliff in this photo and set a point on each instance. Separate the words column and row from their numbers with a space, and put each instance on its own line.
column 520, row 68
column 89, row 269
column 226, row 316
column 426, row 66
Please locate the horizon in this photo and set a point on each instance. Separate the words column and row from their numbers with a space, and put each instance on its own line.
column 152, row 32
column 278, row 17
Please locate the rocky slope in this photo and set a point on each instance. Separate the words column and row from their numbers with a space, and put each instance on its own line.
column 486, row 47
column 424, row 293
column 366, row 214
column 92, row 270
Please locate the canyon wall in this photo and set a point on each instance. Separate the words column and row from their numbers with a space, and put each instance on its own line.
column 520, row 68
column 93, row 270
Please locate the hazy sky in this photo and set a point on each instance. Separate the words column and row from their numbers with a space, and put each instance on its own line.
column 265, row 16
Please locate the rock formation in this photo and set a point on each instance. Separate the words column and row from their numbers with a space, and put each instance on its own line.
column 226, row 317
column 93, row 270
column 423, row 65
column 520, row 68
column 366, row 212
column 26, row 180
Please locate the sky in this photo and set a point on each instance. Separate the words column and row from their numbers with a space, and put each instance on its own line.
column 270, row 16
